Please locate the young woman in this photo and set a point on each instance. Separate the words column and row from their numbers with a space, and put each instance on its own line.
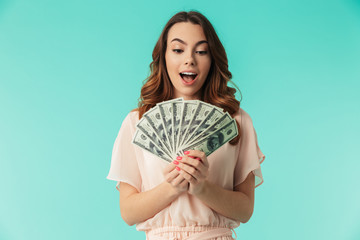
column 194, row 197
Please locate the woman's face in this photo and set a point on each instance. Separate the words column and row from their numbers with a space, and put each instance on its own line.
column 187, row 59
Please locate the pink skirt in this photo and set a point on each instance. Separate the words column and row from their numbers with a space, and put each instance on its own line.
column 190, row 233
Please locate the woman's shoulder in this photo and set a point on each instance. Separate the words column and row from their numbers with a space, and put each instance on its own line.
column 134, row 114
column 241, row 115
column 131, row 118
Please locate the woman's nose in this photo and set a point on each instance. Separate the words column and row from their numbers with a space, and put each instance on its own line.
column 189, row 60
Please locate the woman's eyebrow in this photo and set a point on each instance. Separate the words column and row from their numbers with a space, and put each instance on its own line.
column 181, row 41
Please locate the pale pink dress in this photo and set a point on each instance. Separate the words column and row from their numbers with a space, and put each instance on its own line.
column 187, row 217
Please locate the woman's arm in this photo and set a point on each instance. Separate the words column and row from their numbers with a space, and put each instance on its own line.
column 137, row 206
column 237, row 204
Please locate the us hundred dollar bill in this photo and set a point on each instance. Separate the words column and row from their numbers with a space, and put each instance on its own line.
column 148, row 130
column 140, row 139
column 177, row 110
column 224, row 119
column 214, row 115
column 154, row 118
column 200, row 114
column 208, row 145
column 187, row 114
column 166, row 111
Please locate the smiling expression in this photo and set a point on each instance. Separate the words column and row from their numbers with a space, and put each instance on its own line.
column 187, row 59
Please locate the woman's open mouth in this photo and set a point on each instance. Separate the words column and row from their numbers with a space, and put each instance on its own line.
column 188, row 77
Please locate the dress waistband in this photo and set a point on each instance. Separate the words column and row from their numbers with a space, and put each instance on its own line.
column 197, row 232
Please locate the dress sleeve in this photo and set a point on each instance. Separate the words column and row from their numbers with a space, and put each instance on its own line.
column 249, row 156
column 124, row 165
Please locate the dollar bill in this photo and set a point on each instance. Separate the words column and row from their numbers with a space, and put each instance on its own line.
column 154, row 118
column 149, row 131
column 224, row 119
column 140, row 139
column 214, row 115
column 199, row 116
column 177, row 110
column 208, row 145
column 166, row 111
column 187, row 114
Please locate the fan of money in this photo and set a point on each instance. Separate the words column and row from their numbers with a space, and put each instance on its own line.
column 174, row 126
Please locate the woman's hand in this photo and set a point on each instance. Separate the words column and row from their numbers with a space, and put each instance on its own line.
column 194, row 167
column 173, row 177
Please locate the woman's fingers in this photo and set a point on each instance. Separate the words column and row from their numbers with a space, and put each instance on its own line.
column 192, row 166
column 189, row 177
column 169, row 168
column 170, row 176
column 198, row 154
column 173, row 176
column 184, row 184
column 178, row 180
column 193, row 171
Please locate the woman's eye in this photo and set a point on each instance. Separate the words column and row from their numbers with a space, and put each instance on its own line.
column 177, row 50
column 202, row 52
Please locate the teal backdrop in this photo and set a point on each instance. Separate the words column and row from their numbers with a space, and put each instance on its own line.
column 70, row 71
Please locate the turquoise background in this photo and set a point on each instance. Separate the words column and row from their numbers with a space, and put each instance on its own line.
column 70, row 71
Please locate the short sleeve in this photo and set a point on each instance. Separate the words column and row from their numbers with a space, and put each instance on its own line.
column 124, row 165
column 249, row 155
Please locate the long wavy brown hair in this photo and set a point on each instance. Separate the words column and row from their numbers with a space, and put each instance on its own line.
column 158, row 87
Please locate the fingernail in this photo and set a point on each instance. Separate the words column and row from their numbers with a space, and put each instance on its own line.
column 175, row 162
column 178, row 158
column 198, row 158
column 186, row 152
column 177, row 168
